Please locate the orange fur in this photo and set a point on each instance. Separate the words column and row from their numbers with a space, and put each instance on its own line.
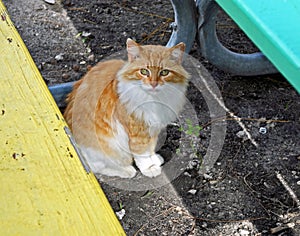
column 114, row 110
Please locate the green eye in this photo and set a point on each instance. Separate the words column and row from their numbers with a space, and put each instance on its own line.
column 144, row 72
column 164, row 72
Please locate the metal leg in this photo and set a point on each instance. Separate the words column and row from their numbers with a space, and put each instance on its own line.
column 211, row 48
column 60, row 92
column 185, row 25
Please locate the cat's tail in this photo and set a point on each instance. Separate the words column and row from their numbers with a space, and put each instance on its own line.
column 60, row 92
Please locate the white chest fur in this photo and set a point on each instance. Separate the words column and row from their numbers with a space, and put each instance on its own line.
column 155, row 108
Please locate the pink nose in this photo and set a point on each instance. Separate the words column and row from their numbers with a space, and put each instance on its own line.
column 154, row 84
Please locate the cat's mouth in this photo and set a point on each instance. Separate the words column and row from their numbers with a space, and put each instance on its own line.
column 152, row 90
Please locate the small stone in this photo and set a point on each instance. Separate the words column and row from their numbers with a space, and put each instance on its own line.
column 192, row 191
column 240, row 134
column 144, row 35
column 244, row 232
column 262, row 130
column 82, row 62
column 59, row 57
column 298, row 182
column 86, row 34
column 65, row 76
column 204, row 225
column 207, row 176
column 76, row 68
column 53, row 61
column 88, row 67
column 91, row 57
column 120, row 214
column 50, row 1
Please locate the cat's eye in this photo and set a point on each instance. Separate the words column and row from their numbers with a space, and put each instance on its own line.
column 144, row 72
column 164, row 72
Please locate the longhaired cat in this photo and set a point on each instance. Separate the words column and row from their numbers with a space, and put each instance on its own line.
column 117, row 110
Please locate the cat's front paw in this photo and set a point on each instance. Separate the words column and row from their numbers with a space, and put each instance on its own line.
column 152, row 171
column 157, row 159
column 149, row 165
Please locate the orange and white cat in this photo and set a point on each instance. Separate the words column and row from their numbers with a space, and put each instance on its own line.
column 117, row 110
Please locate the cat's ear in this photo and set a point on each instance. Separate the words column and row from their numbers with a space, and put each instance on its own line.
column 177, row 52
column 133, row 49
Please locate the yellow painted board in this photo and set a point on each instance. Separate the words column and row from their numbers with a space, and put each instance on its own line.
column 44, row 188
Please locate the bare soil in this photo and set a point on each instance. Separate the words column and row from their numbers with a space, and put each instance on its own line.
column 242, row 194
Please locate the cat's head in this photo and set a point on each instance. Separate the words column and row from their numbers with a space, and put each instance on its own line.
column 154, row 67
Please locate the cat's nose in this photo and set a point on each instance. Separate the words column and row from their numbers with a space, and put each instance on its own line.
column 154, row 84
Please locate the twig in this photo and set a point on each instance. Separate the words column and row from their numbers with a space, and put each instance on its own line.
column 225, row 118
column 231, row 114
column 161, row 26
column 280, row 228
column 288, row 188
column 145, row 13
column 229, row 221
column 140, row 229
column 254, row 191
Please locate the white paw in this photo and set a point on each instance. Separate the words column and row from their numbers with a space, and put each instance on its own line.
column 129, row 172
column 152, row 171
column 157, row 159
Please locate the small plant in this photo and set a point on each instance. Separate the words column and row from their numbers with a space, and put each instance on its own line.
column 191, row 129
column 121, row 205
column 193, row 132
column 147, row 194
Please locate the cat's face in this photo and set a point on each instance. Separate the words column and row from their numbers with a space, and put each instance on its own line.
column 154, row 67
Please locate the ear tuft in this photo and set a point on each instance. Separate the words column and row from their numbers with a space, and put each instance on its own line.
column 133, row 49
column 178, row 52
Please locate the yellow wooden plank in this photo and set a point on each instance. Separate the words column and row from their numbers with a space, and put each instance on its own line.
column 44, row 188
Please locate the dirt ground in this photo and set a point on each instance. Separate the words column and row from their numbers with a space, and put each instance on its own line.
column 242, row 194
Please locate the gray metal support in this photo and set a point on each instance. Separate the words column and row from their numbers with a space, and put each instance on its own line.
column 211, row 48
column 185, row 25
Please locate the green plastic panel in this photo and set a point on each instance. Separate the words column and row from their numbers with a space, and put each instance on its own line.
column 274, row 26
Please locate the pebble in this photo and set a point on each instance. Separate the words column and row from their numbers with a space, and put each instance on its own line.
column 53, row 61
column 144, row 35
column 240, row 134
column 244, row 232
column 262, row 130
column 192, row 191
column 120, row 214
column 50, row 1
column 86, row 34
column 76, row 68
column 204, row 225
column 59, row 57
column 91, row 57
column 207, row 176
column 65, row 76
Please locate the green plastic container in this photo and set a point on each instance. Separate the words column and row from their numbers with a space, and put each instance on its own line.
column 274, row 26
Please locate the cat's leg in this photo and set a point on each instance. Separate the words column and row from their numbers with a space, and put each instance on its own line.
column 102, row 164
column 142, row 146
column 149, row 164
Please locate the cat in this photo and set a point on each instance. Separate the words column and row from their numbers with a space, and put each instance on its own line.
column 117, row 110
